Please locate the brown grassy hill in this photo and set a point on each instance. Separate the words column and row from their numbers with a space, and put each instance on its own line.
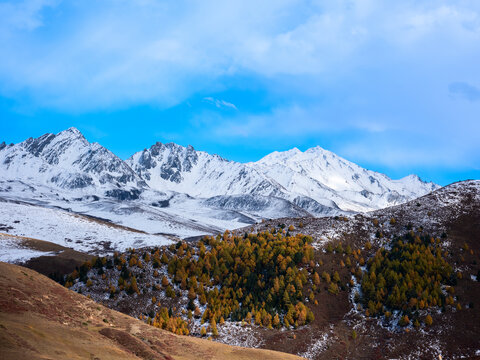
column 39, row 319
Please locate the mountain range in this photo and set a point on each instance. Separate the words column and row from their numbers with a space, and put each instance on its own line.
column 315, row 180
column 189, row 188
column 64, row 200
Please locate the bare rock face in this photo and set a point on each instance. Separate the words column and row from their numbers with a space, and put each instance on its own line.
column 171, row 159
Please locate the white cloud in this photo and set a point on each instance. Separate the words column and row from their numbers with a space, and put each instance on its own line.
column 430, row 19
column 403, row 152
column 114, row 53
column 118, row 53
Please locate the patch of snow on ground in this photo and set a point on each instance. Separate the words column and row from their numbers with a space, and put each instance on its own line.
column 432, row 349
column 233, row 333
column 319, row 345
column 12, row 251
column 71, row 230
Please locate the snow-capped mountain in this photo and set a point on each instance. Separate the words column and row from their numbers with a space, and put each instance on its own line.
column 197, row 173
column 316, row 180
column 177, row 190
column 320, row 174
column 68, row 161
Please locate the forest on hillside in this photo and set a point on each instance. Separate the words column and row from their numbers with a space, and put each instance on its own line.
column 272, row 279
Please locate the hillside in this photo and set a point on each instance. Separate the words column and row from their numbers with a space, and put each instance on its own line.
column 65, row 228
column 437, row 292
column 41, row 319
column 452, row 214
column 45, row 257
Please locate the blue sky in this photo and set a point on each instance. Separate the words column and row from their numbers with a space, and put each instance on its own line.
column 392, row 86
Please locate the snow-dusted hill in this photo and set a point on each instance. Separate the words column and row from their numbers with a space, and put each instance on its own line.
column 179, row 191
column 433, row 212
column 71, row 230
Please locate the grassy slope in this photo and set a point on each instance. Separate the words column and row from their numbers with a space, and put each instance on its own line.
column 41, row 319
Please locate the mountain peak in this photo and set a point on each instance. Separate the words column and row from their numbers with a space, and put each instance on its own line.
column 280, row 155
column 315, row 149
column 412, row 177
column 318, row 150
column 170, row 145
column 413, row 180
column 69, row 161
column 71, row 132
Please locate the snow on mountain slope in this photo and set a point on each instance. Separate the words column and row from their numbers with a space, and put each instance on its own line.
column 179, row 191
column 172, row 214
column 261, row 206
column 72, row 230
column 197, row 173
column 321, row 174
column 316, row 175
column 68, row 161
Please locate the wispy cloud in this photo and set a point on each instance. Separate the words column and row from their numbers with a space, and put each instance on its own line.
column 23, row 14
column 219, row 103
column 464, row 90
